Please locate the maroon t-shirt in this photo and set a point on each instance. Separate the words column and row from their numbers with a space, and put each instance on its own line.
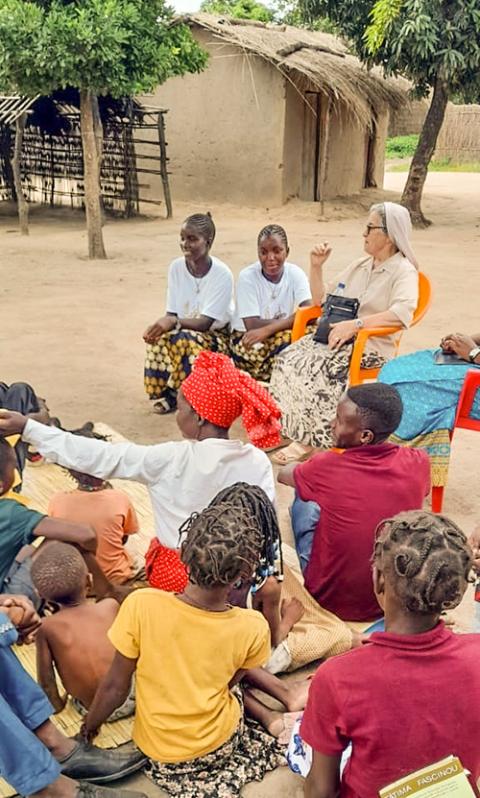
column 403, row 701
column 356, row 489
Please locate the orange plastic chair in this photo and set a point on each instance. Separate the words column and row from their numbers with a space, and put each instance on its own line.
column 471, row 385
column 357, row 374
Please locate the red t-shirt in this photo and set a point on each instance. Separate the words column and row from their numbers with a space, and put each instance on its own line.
column 403, row 701
column 356, row 489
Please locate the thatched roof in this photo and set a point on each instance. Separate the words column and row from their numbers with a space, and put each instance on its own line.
column 310, row 60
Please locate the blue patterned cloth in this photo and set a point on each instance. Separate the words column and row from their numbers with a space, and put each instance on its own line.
column 429, row 392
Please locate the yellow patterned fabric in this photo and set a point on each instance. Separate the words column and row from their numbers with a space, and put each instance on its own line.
column 437, row 445
column 318, row 634
column 169, row 361
column 258, row 360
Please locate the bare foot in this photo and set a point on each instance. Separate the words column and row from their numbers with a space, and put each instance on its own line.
column 281, row 726
column 291, row 610
column 298, row 694
column 275, row 726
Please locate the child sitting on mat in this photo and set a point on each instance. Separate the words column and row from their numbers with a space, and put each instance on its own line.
column 188, row 650
column 109, row 511
column 73, row 640
column 409, row 697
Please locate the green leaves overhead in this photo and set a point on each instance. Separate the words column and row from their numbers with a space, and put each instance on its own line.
column 119, row 47
column 419, row 39
column 240, row 9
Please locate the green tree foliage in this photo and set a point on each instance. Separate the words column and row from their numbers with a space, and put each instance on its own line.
column 239, row 9
column 291, row 13
column 116, row 47
column 433, row 43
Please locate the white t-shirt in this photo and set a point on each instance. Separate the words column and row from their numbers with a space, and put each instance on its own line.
column 190, row 297
column 182, row 477
column 257, row 296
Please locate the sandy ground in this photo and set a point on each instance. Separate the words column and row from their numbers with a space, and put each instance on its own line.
column 73, row 328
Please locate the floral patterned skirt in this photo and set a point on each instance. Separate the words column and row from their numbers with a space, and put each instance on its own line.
column 169, row 361
column 247, row 756
column 307, row 381
column 258, row 360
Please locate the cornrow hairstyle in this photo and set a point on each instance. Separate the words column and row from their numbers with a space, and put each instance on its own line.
column 58, row 572
column 380, row 407
column 223, row 545
column 427, row 558
column 272, row 230
column 203, row 223
column 254, row 500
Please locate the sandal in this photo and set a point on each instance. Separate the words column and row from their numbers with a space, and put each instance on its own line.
column 294, row 453
column 163, row 406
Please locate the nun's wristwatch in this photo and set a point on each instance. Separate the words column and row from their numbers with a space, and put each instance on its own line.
column 473, row 354
column 359, row 324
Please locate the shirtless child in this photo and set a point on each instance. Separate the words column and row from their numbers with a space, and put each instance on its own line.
column 74, row 639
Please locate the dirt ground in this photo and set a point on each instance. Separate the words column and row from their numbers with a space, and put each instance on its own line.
column 73, row 328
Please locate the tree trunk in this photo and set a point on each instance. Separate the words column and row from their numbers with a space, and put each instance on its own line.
column 412, row 193
column 98, row 129
column 91, row 176
column 22, row 203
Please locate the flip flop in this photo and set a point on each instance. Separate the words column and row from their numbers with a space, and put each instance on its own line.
column 294, row 453
column 162, row 407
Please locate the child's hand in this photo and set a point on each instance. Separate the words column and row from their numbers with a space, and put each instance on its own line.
column 23, row 615
column 11, row 423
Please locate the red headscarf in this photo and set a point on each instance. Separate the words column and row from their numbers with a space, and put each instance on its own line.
column 220, row 393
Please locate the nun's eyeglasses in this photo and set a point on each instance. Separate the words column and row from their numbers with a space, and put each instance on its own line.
column 369, row 227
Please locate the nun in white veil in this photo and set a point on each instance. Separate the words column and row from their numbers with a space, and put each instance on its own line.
column 308, row 378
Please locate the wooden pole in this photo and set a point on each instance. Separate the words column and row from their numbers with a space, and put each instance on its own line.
column 324, row 155
column 22, row 203
column 163, row 165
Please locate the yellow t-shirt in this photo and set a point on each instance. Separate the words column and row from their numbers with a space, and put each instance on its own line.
column 186, row 659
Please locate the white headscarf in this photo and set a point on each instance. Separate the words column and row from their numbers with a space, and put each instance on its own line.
column 399, row 229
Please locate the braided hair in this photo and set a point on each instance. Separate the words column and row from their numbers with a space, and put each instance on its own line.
column 273, row 230
column 203, row 224
column 223, row 545
column 427, row 559
column 254, row 500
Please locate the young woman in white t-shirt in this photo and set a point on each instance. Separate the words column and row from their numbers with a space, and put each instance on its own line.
column 268, row 294
column 199, row 304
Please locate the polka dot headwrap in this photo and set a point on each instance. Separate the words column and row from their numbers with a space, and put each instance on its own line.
column 220, row 393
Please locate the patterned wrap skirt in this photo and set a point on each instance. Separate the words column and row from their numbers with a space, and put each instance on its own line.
column 169, row 361
column 247, row 756
column 307, row 381
column 430, row 393
column 258, row 360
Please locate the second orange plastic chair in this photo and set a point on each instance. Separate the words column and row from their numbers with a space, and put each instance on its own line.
column 357, row 374
column 471, row 385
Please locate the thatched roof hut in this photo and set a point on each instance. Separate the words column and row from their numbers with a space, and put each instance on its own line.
column 279, row 111
column 309, row 58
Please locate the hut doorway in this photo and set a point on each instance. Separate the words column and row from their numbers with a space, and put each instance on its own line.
column 315, row 146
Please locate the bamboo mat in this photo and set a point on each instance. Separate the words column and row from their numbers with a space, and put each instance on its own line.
column 40, row 484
